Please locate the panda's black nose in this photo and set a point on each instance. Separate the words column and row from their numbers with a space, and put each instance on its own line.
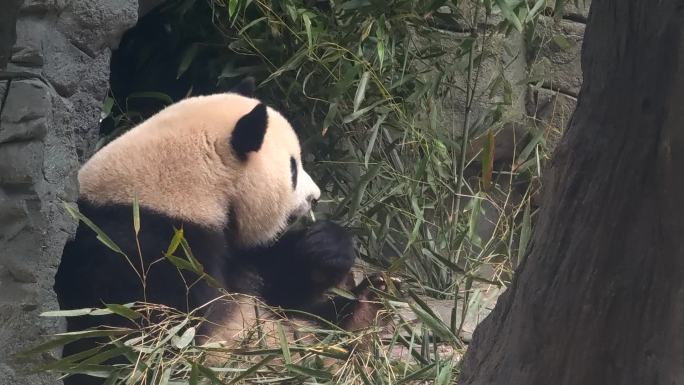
column 313, row 201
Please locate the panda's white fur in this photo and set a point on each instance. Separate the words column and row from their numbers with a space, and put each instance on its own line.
column 184, row 152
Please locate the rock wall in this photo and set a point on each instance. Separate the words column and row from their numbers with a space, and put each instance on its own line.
column 54, row 66
column 555, row 68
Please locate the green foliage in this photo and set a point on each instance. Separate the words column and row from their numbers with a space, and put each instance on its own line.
column 368, row 84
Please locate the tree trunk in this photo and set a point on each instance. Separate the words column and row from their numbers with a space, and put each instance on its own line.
column 600, row 297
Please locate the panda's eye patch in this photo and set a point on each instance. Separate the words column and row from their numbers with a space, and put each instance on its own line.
column 293, row 171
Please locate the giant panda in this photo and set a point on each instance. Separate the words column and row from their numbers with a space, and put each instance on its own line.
column 227, row 170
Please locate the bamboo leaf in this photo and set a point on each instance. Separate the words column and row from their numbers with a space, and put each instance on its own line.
column 509, row 14
column 535, row 9
column 175, row 241
column 309, row 372
column 357, row 114
column 444, row 373
column 283, row 344
column 371, row 142
column 123, row 311
column 332, row 113
column 361, row 90
column 251, row 370
column 232, row 8
column 307, row 27
column 101, row 236
column 66, row 313
column 136, row 215
column 180, row 263
column 185, row 339
column 360, row 189
column 436, row 325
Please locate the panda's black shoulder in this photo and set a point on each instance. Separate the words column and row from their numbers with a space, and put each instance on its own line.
column 92, row 272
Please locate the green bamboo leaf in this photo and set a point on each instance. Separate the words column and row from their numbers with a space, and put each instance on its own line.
column 194, row 374
column 101, row 236
column 165, row 376
column 185, row 339
column 136, row 215
column 64, row 338
column 283, row 343
column 435, row 324
column 342, row 293
column 66, row 313
column 123, row 311
column 559, row 9
column 444, row 373
column 509, row 14
column 180, row 263
column 291, row 11
column 380, row 35
column 251, row 370
column 107, row 107
column 535, row 9
column 362, row 372
column 232, row 8
column 172, row 332
column 367, row 30
column 371, row 142
column 357, row 114
column 251, row 24
column 107, row 354
column 419, row 374
column 361, row 90
column 332, row 114
column 113, row 378
column 309, row 372
column 307, row 27
column 360, row 189
column 196, row 265
column 175, row 241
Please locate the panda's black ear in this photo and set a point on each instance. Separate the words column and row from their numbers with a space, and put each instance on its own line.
column 246, row 87
column 249, row 132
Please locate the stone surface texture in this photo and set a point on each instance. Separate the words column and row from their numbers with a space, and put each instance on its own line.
column 54, row 69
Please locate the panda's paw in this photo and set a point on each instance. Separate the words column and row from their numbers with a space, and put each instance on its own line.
column 328, row 250
column 369, row 309
column 368, row 288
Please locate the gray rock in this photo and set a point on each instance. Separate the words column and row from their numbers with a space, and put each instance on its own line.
column 579, row 11
column 556, row 62
column 93, row 25
column 8, row 18
column 57, row 80
column 42, row 6
column 551, row 110
column 23, row 115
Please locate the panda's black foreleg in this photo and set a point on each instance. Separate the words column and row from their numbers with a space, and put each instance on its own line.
column 364, row 310
column 302, row 265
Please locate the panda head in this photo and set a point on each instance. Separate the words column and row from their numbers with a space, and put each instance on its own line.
column 224, row 161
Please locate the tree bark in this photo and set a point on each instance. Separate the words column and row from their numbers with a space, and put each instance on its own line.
column 600, row 297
